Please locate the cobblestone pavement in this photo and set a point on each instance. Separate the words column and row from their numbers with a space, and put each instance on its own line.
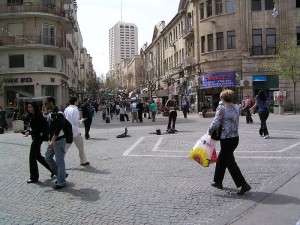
column 146, row 178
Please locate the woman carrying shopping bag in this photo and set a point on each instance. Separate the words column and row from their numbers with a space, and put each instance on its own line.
column 229, row 140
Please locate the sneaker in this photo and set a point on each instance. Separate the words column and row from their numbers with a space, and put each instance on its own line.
column 85, row 164
column 217, row 185
column 266, row 137
column 246, row 187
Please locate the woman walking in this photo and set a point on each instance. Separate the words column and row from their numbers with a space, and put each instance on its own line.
column 263, row 112
column 229, row 140
column 38, row 132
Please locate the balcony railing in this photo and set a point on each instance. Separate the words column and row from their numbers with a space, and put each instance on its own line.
column 19, row 40
column 4, row 8
column 188, row 32
column 260, row 51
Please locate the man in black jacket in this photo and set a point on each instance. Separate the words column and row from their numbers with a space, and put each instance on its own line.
column 87, row 119
column 57, row 143
column 140, row 109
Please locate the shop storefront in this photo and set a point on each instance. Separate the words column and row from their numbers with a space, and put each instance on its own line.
column 211, row 85
column 268, row 83
column 31, row 86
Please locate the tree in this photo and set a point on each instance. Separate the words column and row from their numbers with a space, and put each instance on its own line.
column 93, row 86
column 287, row 64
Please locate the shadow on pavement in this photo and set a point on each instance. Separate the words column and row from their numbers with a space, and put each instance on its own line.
column 85, row 194
column 98, row 139
column 263, row 197
column 90, row 169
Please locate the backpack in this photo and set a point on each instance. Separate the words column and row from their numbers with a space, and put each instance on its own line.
column 90, row 111
column 67, row 129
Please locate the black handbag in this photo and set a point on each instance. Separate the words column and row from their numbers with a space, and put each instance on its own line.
column 216, row 134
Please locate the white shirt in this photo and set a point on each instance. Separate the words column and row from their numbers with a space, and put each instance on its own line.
column 72, row 114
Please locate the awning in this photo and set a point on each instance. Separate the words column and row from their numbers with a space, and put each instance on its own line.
column 259, row 78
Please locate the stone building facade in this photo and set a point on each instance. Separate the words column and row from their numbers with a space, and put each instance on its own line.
column 41, row 51
column 228, row 37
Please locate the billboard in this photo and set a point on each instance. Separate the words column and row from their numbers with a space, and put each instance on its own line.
column 218, row 79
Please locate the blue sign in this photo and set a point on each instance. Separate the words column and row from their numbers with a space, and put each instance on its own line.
column 218, row 79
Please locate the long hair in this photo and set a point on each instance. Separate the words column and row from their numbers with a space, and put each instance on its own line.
column 261, row 95
column 36, row 108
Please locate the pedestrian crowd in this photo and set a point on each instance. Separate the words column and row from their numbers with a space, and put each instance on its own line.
column 59, row 126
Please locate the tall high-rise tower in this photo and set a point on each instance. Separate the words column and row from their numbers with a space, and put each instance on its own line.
column 123, row 42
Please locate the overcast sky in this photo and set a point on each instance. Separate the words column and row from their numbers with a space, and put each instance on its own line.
column 96, row 17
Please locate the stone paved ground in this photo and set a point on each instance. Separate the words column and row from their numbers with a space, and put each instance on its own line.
column 145, row 178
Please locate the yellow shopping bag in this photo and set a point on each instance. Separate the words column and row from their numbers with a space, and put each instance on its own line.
column 204, row 151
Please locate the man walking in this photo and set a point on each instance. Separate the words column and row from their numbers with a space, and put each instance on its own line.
column 72, row 115
column 57, row 143
column 87, row 118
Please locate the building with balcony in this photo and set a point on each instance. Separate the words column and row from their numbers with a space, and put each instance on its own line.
column 232, row 38
column 40, row 50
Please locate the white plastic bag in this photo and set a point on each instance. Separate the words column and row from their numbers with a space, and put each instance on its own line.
column 204, row 151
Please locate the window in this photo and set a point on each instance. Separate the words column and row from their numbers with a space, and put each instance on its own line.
column 256, row 5
column 271, row 41
column 297, row 3
column 231, row 40
column 170, row 39
column 269, row 4
column 48, row 34
column 49, row 3
column 201, row 11
column 16, row 61
column 210, row 43
column 257, row 42
column 14, row 2
column 219, row 6
column 229, row 6
column 220, row 41
column 50, row 61
column 209, row 8
column 202, row 44
column 298, row 35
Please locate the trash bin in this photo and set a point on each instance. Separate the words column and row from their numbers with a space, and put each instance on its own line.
column 18, row 126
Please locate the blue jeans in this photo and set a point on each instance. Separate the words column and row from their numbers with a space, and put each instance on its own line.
column 58, row 167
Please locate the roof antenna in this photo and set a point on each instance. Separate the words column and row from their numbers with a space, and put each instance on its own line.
column 121, row 12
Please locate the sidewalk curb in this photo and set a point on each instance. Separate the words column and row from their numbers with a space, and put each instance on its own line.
column 254, row 200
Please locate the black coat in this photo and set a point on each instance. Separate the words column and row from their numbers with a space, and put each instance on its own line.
column 38, row 125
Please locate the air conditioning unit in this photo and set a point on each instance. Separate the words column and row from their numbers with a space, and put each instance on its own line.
column 245, row 83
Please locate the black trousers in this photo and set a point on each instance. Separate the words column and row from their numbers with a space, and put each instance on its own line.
column 87, row 126
column 226, row 160
column 263, row 116
column 248, row 115
column 34, row 157
column 172, row 119
column 140, row 115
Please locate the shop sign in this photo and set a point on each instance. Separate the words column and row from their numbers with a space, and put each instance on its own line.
column 218, row 79
column 16, row 80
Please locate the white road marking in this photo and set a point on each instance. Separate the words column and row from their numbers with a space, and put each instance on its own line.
column 160, row 139
column 133, row 146
column 289, row 147
column 240, row 157
column 155, row 148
